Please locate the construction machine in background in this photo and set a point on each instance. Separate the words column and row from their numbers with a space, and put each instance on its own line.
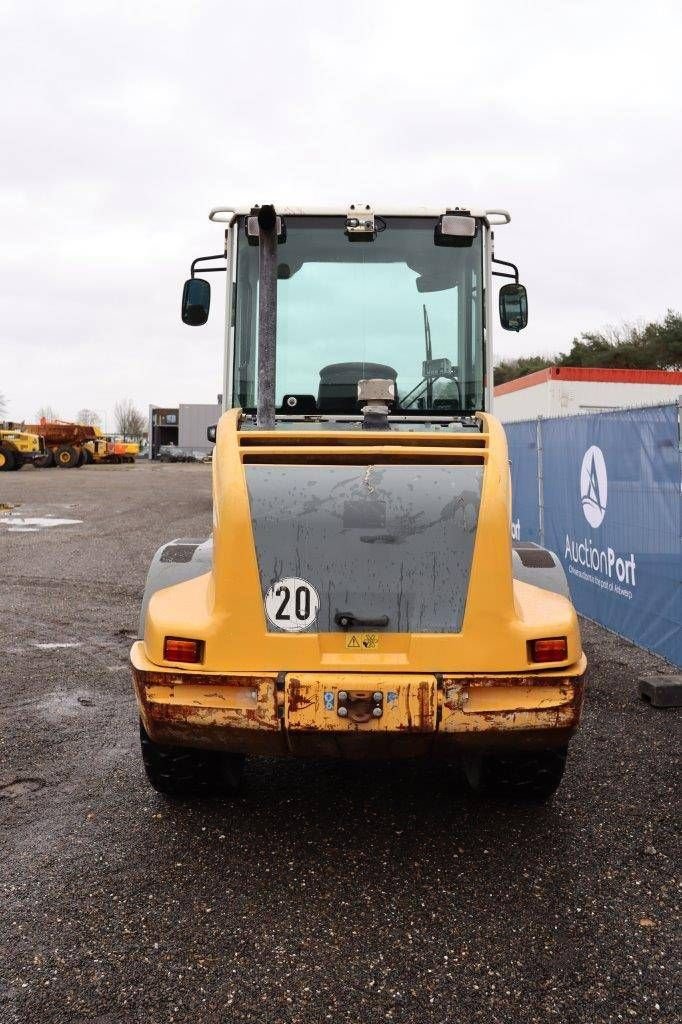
column 121, row 450
column 109, row 448
column 64, row 443
column 71, row 445
column 19, row 446
column 360, row 596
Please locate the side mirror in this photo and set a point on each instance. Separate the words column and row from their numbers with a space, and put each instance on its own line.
column 211, row 433
column 196, row 302
column 513, row 307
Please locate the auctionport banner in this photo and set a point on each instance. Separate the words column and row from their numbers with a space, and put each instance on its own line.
column 612, row 496
column 523, row 459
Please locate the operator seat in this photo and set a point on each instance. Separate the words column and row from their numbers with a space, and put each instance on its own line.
column 338, row 390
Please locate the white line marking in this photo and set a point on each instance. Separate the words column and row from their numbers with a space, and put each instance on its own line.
column 16, row 524
column 54, row 647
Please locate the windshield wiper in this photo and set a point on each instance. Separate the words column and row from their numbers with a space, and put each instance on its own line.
column 429, row 355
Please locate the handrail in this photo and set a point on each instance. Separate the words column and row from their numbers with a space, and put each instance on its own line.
column 503, row 214
column 222, row 209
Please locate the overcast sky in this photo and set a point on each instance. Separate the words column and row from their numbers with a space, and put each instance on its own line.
column 124, row 122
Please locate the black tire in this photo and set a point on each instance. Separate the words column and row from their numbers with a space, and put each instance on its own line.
column 67, row 457
column 7, row 459
column 530, row 775
column 18, row 461
column 188, row 772
column 87, row 457
column 45, row 461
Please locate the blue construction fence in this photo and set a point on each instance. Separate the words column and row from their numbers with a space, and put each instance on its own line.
column 604, row 491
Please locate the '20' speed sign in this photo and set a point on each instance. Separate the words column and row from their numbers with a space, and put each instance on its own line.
column 292, row 604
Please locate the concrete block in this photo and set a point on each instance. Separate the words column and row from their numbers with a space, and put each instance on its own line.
column 662, row 691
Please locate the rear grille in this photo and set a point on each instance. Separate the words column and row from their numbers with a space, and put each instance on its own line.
column 269, row 440
column 312, row 457
column 534, row 557
column 390, row 448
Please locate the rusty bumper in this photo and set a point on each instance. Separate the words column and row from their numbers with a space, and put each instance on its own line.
column 358, row 714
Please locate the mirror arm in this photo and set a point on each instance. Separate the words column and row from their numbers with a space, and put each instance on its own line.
column 207, row 270
column 504, row 263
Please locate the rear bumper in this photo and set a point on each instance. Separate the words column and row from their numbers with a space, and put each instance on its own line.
column 298, row 713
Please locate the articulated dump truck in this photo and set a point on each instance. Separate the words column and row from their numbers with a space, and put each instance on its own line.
column 360, row 596
column 65, row 443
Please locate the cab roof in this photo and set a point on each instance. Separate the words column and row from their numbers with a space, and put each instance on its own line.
column 227, row 214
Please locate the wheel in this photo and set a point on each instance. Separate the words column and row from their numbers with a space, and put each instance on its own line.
column 87, row 457
column 82, row 460
column 67, row 456
column 184, row 772
column 18, row 461
column 519, row 775
column 7, row 459
column 44, row 461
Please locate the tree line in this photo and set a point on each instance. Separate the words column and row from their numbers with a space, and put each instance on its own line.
column 130, row 423
column 654, row 346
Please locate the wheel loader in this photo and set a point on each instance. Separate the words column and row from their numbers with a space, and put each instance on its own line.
column 360, row 596
column 108, row 448
column 18, row 446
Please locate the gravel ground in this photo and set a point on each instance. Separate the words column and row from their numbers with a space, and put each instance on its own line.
column 331, row 892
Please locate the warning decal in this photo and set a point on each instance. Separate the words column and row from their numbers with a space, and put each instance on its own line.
column 362, row 641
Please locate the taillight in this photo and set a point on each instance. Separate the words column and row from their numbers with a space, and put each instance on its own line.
column 177, row 649
column 553, row 648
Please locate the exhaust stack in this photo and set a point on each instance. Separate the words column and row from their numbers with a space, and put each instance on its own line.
column 267, row 316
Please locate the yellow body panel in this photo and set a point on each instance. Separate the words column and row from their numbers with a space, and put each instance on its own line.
column 21, row 441
column 224, row 609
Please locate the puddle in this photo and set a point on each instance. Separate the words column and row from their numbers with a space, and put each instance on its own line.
column 32, row 524
column 59, row 705
column 21, row 787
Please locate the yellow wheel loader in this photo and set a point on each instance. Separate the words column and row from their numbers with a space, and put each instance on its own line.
column 360, row 596
column 19, row 446
column 109, row 448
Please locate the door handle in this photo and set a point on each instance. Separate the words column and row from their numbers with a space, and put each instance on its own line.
column 347, row 621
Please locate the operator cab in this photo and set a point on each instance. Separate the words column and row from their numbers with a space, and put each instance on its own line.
column 357, row 296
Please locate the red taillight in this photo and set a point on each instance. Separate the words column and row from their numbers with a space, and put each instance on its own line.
column 553, row 648
column 176, row 649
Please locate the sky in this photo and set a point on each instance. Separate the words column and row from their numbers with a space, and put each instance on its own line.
column 124, row 122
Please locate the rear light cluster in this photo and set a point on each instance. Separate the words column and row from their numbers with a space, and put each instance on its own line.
column 176, row 648
column 552, row 648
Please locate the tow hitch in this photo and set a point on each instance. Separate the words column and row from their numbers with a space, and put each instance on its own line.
column 360, row 705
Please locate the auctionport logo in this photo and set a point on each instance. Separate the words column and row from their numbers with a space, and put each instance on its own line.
column 602, row 567
column 594, row 486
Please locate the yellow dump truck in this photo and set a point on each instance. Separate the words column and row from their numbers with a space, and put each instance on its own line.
column 360, row 596
column 18, row 447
